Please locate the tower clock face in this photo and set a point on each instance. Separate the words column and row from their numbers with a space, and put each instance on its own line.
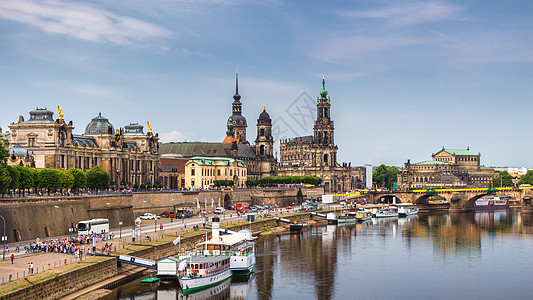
column 240, row 131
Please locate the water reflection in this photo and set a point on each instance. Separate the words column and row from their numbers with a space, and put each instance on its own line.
column 454, row 256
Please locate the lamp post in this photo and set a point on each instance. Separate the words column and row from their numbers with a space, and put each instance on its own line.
column 71, row 228
column 4, row 238
column 119, row 219
column 155, row 215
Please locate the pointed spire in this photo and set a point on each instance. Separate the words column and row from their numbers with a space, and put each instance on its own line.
column 323, row 92
column 237, row 97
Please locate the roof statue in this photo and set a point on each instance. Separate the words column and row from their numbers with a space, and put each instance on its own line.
column 149, row 127
column 60, row 111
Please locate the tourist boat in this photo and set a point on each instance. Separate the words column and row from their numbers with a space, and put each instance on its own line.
column 363, row 215
column 331, row 218
column 216, row 259
column 407, row 209
column 386, row 212
column 350, row 216
column 198, row 273
column 494, row 203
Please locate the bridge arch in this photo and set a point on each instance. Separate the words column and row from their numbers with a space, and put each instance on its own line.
column 387, row 199
column 424, row 199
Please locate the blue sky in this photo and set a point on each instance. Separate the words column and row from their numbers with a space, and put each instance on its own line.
column 405, row 77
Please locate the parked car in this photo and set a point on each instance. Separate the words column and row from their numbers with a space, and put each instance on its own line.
column 219, row 210
column 288, row 207
column 149, row 216
column 253, row 208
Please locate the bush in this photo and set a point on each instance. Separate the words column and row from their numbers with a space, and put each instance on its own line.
column 143, row 186
column 136, row 186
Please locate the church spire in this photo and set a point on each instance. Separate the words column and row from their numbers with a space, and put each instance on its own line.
column 237, row 97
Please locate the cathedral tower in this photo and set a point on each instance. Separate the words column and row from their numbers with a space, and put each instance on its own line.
column 264, row 143
column 237, row 119
column 324, row 129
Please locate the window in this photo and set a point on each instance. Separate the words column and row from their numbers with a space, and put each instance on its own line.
column 218, row 172
column 230, row 172
column 262, row 132
column 192, row 173
column 31, row 142
column 62, row 161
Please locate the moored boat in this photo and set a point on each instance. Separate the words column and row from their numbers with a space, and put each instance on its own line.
column 363, row 215
column 387, row 212
column 331, row 218
column 197, row 273
column 494, row 203
column 407, row 209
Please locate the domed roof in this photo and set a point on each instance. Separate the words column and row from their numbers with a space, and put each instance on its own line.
column 264, row 115
column 99, row 125
column 237, row 120
column 17, row 150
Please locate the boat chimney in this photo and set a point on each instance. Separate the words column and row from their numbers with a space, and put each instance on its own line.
column 216, row 226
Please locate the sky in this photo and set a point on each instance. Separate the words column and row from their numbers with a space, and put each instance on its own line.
column 405, row 78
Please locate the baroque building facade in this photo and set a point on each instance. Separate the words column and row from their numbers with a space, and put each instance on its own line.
column 258, row 158
column 316, row 155
column 448, row 168
column 203, row 171
column 128, row 154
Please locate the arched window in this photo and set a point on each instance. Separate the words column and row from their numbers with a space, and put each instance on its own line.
column 326, row 159
column 192, row 172
column 262, row 150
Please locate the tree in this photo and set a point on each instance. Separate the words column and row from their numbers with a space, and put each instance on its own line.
column 505, row 179
column 385, row 175
column 5, row 180
column 97, row 178
column 527, row 178
column 15, row 176
column 67, row 180
column 25, row 178
column 223, row 183
column 80, row 179
column 49, row 179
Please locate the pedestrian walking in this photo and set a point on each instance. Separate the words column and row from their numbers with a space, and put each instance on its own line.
column 17, row 248
column 12, row 257
column 31, row 267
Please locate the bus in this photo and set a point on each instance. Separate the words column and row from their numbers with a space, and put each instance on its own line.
column 93, row 226
column 242, row 208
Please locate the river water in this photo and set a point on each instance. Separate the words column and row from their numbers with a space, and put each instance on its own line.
column 476, row 255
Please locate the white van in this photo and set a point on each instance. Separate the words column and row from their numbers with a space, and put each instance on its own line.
column 219, row 210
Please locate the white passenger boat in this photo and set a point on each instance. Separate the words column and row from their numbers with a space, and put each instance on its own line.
column 363, row 215
column 387, row 212
column 407, row 209
column 216, row 259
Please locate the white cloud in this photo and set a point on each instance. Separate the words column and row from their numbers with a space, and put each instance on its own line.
column 173, row 136
column 409, row 13
column 81, row 21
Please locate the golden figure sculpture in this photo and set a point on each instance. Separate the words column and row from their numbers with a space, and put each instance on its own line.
column 60, row 111
column 149, row 127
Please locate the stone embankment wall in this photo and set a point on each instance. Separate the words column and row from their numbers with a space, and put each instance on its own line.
column 31, row 218
column 70, row 282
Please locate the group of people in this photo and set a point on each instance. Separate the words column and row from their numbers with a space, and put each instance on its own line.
column 72, row 246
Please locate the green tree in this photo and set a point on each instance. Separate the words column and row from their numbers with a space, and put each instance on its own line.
column 527, row 178
column 97, row 178
column 25, row 178
column 385, row 176
column 67, row 180
column 35, row 177
column 50, row 179
column 80, row 179
column 15, row 176
column 505, row 179
column 223, row 183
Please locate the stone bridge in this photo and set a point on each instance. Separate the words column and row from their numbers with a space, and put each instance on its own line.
column 459, row 199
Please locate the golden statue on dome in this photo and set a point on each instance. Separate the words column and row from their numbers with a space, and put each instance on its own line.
column 60, row 111
column 149, row 127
